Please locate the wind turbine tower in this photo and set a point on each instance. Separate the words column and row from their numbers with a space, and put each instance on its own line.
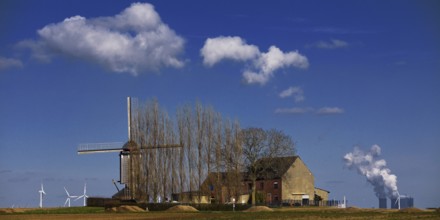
column 83, row 196
column 395, row 202
column 41, row 191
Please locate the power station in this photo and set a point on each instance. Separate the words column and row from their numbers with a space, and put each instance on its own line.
column 399, row 202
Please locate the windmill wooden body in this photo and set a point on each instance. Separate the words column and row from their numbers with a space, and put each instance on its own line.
column 127, row 153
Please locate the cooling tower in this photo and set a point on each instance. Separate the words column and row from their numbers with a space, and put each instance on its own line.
column 382, row 203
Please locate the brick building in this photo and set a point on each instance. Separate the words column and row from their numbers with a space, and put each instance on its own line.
column 287, row 180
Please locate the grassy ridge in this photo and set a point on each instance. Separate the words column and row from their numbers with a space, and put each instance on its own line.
column 63, row 210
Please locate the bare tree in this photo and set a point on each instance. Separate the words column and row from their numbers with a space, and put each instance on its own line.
column 232, row 158
column 182, row 161
column 260, row 148
column 209, row 144
column 200, row 119
column 218, row 156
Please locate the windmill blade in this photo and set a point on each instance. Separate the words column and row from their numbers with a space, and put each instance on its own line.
column 79, row 197
column 90, row 148
column 67, row 192
column 42, row 189
column 67, row 200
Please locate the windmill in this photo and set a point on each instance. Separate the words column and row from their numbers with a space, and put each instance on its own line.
column 84, row 195
column 68, row 197
column 398, row 200
column 41, row 191
column 127, row 153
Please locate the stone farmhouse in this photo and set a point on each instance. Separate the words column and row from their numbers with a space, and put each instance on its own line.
column 288, row 181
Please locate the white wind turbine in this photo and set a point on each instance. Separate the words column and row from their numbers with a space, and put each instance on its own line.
column 41, row 191
column 84, row 196
column 398, row 200
column 68, row 197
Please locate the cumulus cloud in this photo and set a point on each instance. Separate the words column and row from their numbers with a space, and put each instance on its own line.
column 133, row 41
column 329, row 111
column 296, row 92
column 304, row 110
column 235, row 48
column 6, row 63
column 263, row 65
column 332, row 44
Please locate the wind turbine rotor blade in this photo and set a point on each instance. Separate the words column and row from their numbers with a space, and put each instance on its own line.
column 65, row 203
column 79, row 197
column 66, row 192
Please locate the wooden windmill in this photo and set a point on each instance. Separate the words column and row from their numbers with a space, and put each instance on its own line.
column 127, row 153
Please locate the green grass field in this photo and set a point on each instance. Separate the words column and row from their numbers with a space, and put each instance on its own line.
column 279, row 213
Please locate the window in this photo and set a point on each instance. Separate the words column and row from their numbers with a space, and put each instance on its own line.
column 250, row 186
column 261, row 185
column 275, row 185
column 275, row 198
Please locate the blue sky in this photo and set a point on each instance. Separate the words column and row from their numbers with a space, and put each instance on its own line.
column 332, row 74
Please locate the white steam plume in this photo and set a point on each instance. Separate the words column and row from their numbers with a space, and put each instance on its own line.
column 374, row 169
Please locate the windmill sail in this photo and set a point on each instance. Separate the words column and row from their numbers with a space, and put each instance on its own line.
column 127, row 152
column 90, row 148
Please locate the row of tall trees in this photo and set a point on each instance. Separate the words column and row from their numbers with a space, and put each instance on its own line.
column 207, row 143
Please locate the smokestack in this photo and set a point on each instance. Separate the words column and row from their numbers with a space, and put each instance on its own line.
column 382, row 203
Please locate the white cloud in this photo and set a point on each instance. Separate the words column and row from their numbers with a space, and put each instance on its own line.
column 6, row 63
column 216, row 49
column 332, row 44
column 133, row 41
column 329, row 111
column 251, row 77
column 275, row 58
column 39, row 50
column 263, row 64
column 296, row 92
